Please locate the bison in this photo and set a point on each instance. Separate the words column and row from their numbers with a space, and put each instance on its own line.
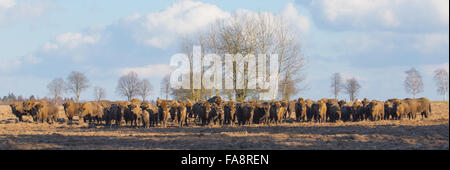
column 17, row 110
column 229, row 112
column 376, row 110
column 319, row 110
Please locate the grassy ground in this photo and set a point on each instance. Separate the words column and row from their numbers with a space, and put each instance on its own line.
column 430, row 133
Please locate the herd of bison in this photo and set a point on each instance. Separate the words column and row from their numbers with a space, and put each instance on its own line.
column 205, row 112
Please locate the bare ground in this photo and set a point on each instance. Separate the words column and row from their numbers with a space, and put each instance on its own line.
column 422, row 134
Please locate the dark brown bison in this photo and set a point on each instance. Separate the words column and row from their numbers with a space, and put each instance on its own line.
column 152, row 110
column 300, row 110
column 333, row 110
column 163, row 110
column 346, row 113
column 319, row 111
column 291, row 109
column 358, row 111
column 365, row 109
column 247, row 112
column 204, row 113
column 262, row 113
column 342, row 103
column 389, row 109
column 112, row 113
column 173, row 107
column 229, row 112
column 276, row 112
column 309, row 104
column 28, row 108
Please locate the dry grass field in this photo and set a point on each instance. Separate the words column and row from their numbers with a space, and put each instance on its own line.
column 422, row 134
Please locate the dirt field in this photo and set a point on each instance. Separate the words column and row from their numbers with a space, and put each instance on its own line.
column 431, row 133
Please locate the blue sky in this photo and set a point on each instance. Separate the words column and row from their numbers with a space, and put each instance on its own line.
column 372, row 40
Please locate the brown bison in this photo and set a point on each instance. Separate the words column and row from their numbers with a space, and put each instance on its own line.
column 358, row 111
column 145, row 117
column 333, row 110
column 229, row 112
column 112, row 113
column 28, row 108
column 92, row 112
column 204, row 113
column 319, row 110
column 152, row 110
column 400, row 109
column 163, row 110
column 376, row 110
column 135, row 113
column 181, row 114
column 300, row 110
column 309, row 104
column 46, row 112
column 17, row 110
column 423, row 107
column 276, row 112
column 71, row 110
column 262, row 113
column 247, row 112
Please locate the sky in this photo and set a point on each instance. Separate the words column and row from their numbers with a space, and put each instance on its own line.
column 375, row 41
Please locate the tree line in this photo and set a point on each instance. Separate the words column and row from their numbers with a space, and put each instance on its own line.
column 413, row 83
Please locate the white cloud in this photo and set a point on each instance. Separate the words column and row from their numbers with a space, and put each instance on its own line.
column 160, row 29
column 12, row 64
column 13, row 11
column 4, row 4
column 429, row 43
column 301, row 22
column 413, row 15
column 156, row 70
column 70, row 41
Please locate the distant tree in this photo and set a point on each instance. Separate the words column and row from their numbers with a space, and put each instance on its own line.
column 76, row 83
column 20, row 98
column 352, row 88
column 32, row 97
column 56, row 88
column 441, row 79
column 99, row 93
column 145, row 89
column 336, row 84
column 413, row 82
column 128, row 85
column 165, row 87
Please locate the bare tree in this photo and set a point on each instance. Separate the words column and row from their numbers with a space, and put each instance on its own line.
column 165, row 87
column 99, row 93
column 57, row 87
column 242, row 35
column 336, row 84
column 77, row 83
column 128, row 85
column 413, row 82
column 441, row 79
column 145, row 89
column 352, row 88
